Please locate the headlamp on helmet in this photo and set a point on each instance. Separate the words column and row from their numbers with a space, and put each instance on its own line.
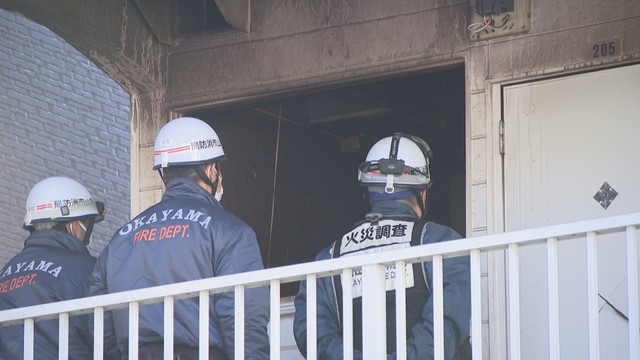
column 398, row 161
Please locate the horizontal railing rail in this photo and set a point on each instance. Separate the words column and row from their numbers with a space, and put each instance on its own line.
column 372, row 266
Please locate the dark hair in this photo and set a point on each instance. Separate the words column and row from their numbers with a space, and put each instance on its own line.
column 411, row 198
column 186, row 172
column 46, row 225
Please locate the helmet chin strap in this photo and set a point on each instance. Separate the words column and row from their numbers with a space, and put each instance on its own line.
column 87, row 231
column 422, row 204
column 205, row 178
column 162, row 176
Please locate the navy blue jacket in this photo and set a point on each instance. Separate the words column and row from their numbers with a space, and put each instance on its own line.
column 53, row 266
column 457, row 301
column 186, row 236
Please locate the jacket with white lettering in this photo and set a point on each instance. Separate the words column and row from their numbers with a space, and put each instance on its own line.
column 53, row 266
column 456, row 293
column 186, row 236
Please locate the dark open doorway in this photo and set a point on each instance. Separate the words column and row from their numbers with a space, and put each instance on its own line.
column 292, row 168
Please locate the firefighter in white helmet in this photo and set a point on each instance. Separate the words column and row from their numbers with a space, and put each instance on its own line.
column 397, row 177
column 186, row 236
column 53, row 266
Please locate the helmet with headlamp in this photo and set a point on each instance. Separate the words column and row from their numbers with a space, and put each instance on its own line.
column 396, row 162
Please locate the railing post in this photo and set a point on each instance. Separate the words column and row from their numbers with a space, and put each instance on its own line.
column 347, row 314
column 592, row 296
column 312, row 317
column 203, row 325
column 401, row 314
column 274, row 322
column 28, row 339
column 552, row 286
column 239, row 322
column 98, row 333
column 134, row 311
column 168, row 327
column 374, row 345
column 438, row 309
column 514, row 302
column 63, row 336
column 632, row 291
column 476, row 305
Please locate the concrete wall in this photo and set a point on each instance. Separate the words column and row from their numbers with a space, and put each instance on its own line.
column 59, row 116
column 294, row 45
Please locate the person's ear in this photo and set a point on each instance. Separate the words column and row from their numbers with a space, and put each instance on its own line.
column 423, row 195
column 71, row 228
column 212, row 172
column 216, row 168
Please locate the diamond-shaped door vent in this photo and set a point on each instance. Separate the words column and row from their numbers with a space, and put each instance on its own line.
column 605, row 195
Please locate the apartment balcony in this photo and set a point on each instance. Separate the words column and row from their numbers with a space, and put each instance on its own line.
column 498, row 309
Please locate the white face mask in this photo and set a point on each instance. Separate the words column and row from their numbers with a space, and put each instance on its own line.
column 218, row 194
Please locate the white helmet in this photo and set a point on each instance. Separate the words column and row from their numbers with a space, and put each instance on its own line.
column 60, row 199
column 186, row 141
column 400, row 160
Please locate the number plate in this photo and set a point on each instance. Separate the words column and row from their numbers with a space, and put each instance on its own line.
column 605, row 49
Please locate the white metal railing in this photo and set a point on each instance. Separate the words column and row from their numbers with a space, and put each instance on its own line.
column 372, row 266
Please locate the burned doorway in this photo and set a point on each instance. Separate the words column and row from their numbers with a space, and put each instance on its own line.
column 292, row 167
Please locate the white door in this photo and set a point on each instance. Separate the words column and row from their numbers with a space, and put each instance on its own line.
column 572, row 152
